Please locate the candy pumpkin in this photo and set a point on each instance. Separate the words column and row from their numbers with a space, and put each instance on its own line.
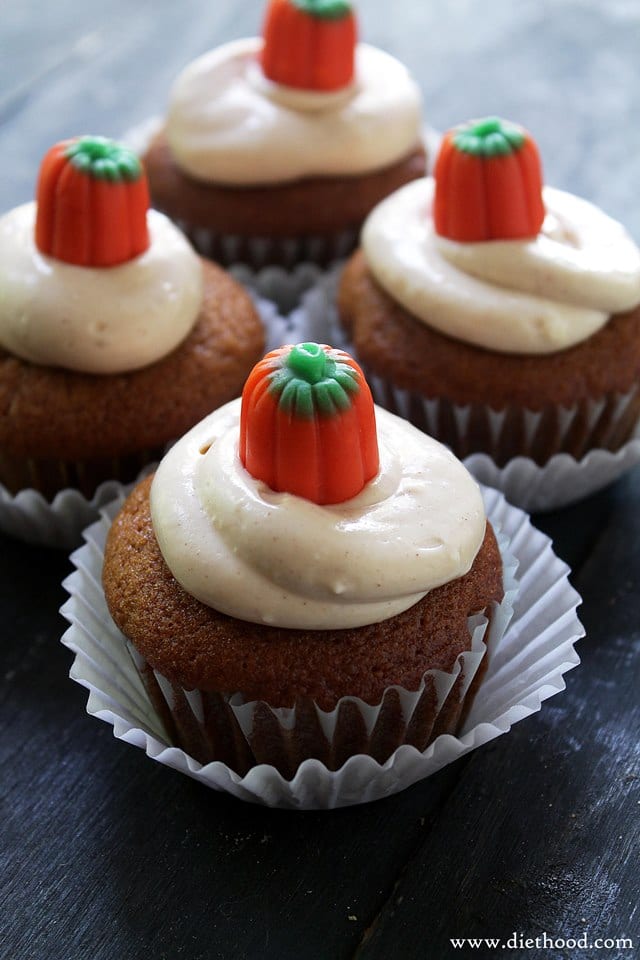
column 488, row 183
column 309, row 44
column 92, row 201
column 307, row 424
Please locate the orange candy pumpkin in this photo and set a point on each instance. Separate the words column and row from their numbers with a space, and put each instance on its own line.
column 309, row 44
column 488, row 183
column 92, row 201
column 307, row 425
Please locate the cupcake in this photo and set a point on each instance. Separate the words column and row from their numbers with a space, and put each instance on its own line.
column 499, row 315
column 115, row 337
column 275, row 148
column 304, row 575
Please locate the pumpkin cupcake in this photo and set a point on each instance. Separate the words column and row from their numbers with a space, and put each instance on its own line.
column 275, row 148
column 501, row 316
column 304, row 575
column 115, row 336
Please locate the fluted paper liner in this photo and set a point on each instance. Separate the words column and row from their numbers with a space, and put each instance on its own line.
column 59, row 522
column 563, row 479
column 30, row 517
column 242, row 734
column 525, row 667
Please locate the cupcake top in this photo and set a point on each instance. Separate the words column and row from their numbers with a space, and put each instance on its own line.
column 484, row 253
column 304, row 100
column 301, row 507
column 90, row 278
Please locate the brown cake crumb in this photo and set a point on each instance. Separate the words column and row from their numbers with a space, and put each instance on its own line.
column 416, row 357
column 48, row 412
column 198, row 647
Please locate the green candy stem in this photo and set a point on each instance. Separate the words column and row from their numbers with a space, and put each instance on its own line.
column 309, row 362
column 324, row 9
column 104, row 159
column 491, row 137
column 311, row 381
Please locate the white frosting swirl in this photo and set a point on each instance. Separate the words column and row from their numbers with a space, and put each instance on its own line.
column 278, row 559
column 228, row 124
column 96, row 319
column 532, row 296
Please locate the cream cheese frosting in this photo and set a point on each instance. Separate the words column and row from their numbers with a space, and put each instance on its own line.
column 533, row 296
column 228, row 124
column 96, row 319
column 281, row 560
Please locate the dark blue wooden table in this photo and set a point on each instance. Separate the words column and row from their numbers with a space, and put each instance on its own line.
column 108, row 856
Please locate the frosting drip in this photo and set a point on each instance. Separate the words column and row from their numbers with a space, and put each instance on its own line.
column 281, row 560
column 532, row 296
column 96, row 319
column 228, row 124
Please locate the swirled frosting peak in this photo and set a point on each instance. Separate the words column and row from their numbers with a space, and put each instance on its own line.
column 96, row 319
column 282, row 560
column 529, row 296
column 227, row 123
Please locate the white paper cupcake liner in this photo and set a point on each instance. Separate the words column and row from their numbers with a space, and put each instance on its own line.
column 30, row 517
column 562, row 480
column 285, row 288
column 525, row 669
column 245, row 730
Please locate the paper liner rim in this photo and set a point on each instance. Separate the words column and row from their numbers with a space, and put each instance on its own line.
column 264, row 784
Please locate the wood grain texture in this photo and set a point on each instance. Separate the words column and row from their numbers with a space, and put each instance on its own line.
column 104, row 854
column 522, row 836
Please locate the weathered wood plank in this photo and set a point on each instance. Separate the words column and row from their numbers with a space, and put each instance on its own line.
column 542, row 831
column 103, row 77
column 105, row 854
column 576, row 529
column 101, row 839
